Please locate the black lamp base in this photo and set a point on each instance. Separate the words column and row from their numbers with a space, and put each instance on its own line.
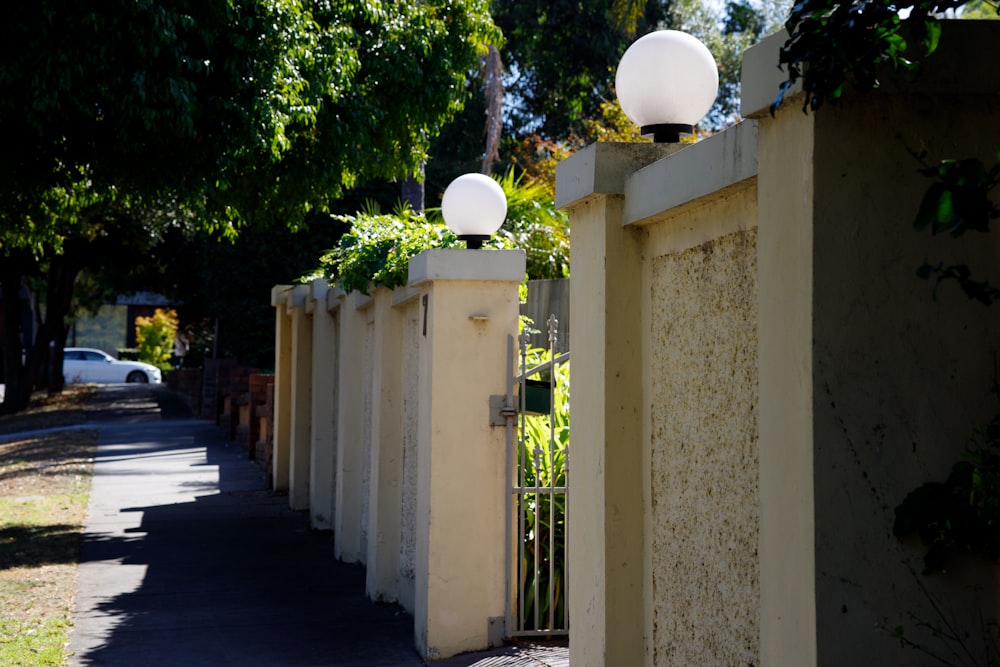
column 473, row 241
column 666, row 133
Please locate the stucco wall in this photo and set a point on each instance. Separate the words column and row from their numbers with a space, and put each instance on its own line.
column 365, row 385
column 703, row 440
column 411, row 396
column 901, row 379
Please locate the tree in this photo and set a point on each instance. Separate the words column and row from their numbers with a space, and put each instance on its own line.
column 224, row 112
column 561, row 56
column 547, row 122
column 728, row 31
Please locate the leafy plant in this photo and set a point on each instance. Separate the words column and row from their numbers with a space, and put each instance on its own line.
column 962, row 514
column 535, row 225
column 377, row 249
column 155, row 337
column 870, row 35
column 542, row 465
column 959, row 201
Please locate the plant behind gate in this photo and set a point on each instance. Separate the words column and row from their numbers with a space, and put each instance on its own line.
column 542, row 464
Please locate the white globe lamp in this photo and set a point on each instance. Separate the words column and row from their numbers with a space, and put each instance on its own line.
column 474, row 206
column 666, row 82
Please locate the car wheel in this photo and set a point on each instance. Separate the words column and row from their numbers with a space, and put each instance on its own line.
column 137, row 376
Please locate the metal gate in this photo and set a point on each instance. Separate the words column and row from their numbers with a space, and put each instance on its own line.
column 536, row 412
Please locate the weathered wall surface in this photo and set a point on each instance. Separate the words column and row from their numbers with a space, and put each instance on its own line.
column 902, row 379
column 703, row 439
column 411, row 398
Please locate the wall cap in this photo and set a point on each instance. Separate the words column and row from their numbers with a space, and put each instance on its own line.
column 403, row 295
column 334, row 297
column 279, row 294
column 462, row 264
column 708, row 166
column 601, row 169
column 296, row 298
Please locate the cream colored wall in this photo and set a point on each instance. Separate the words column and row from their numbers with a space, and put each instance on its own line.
column 366, row 385
column 901, row 379
column 785, row 190
column 700, row 275
column 470, row 301
column 323, row 447
column 869, row 385
column 385, row 487
column 401, row 382
column 637, row 269
column 606, row 540
column 300, row 396
column 866, row 386
column 410, row 311
column 350, row 428
column 282, row 386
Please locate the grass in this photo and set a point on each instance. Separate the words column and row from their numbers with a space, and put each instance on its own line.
column 44, row 488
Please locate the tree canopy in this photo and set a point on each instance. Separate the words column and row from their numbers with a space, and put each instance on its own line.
column 125, row 119
column 237, row 108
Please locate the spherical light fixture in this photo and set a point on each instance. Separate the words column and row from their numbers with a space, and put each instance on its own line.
column 474, row 206
column 666, row 82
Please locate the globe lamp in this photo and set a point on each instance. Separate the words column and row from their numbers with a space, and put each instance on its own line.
column 474, row 206
column 666, row 82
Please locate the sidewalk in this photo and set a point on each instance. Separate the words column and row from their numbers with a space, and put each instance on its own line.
column 189, row 560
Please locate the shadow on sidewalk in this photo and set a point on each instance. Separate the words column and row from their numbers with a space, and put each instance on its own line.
column 185, row 566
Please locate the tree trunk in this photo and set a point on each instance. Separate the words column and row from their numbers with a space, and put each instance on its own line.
column 412, row 191
column 46, row 364
column 18, row 386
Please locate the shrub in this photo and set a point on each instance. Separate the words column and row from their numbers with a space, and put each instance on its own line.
column 155, row 337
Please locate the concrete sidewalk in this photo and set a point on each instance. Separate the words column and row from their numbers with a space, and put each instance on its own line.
column 189, row 560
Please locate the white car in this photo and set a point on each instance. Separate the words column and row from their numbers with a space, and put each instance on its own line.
column 81, row 364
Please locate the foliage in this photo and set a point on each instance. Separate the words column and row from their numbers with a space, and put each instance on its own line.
column 205, row 116
column 869, row 35
column 981, row 9
column 536, row 156
column 155, row 337
column 542, row 463
column 962, row 514
column 959, row 201
column 536, row 226
column 226, row 104
column 727, row 30
column 377, row 249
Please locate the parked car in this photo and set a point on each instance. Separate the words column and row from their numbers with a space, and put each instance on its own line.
column 81, row 364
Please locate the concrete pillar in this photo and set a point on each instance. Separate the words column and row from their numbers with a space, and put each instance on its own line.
column 469, row 303
column 282, row 386
column 350, row 428
column 300, row 410
column 606, row 501
column 323, row 448
column 385, row 487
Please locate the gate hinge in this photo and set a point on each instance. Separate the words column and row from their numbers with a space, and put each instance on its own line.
column 500, row 411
